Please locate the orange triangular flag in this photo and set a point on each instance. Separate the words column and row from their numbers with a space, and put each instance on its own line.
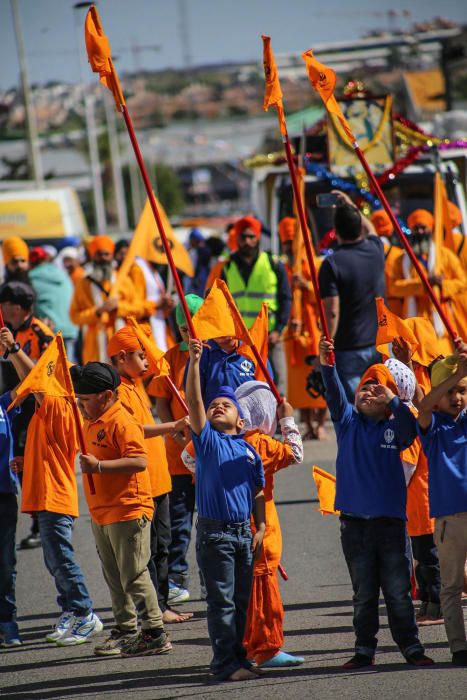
column 323, row 80
column 219, row 316
column 273, row 92
column 158, row 365
column 391, row 326
column 50, row 375
column 326, row 488
column 259, row 333
column 99, row 55
column 147, row 243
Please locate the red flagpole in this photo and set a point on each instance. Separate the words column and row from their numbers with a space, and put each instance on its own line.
column 155, row 211
column 403, row 239
column 309, row 252
column 176, row 393
column 82, row 444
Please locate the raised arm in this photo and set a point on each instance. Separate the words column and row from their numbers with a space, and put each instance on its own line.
column 20, row 361
column 336, row 399
column 194, row 397
column 429, row 402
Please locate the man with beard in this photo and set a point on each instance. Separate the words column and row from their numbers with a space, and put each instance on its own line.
column 445, row 275
column 93, row 308
column 15, row 254
column 253, row 277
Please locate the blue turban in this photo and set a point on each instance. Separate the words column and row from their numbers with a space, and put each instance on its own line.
column 228, row 393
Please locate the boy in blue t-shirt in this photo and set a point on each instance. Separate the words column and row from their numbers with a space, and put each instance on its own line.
column 371, row 495
column 443, row 434
column 229, row 487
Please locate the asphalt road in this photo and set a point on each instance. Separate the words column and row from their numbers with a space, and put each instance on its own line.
column 318, row 624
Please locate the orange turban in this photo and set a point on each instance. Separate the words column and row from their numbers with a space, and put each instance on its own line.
column 382, row 223
column 247, row 222
column 381, row 375
column 14, row 247
column 287, row 229
column 125, row 339
column 100, row 243
column 455, row 215
column 422, row 217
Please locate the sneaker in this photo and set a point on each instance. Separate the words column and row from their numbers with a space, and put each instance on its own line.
column 359, row 661
column 65, row 621
column 177, row 594
column 32, row 541
column 82, row 629
column 9, row 635
column 418, row 658
column 459, row 658
column 144, row 644
column 112, row 646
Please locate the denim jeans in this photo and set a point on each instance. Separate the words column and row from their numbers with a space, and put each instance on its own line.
column 224, row 556
column 351, row 365
column 56, row 533
column 158, row 564
column 376, row 553
column 182, row 506
column 427, row 570
column 8, row 520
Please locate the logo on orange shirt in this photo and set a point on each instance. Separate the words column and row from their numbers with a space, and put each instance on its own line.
column 100, row 435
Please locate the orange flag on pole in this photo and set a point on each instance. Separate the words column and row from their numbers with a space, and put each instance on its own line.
column 219, row 317
column 158, row 365
column 323, row 80
column 146, row 243
column 99, row 55
column 391, row 326
column 326, row 488
column 50, row 375
column 259, row 333
column 273, row 92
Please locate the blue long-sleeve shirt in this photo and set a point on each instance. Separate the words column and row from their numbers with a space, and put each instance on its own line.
column 369, row 474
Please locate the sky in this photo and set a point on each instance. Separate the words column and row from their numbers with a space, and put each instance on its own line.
column 218, row 30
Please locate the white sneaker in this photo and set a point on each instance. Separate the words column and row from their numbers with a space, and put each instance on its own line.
column 65, row 621
column 177, row 594
column 82, row 629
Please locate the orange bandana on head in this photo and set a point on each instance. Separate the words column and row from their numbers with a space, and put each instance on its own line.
column 420, row 217
column 247, row 222
column 455, row 215
column 14, row 247
column 100, row 243
column 382, row 223
column 125, row 339
column 287, row 229
column 381, row 375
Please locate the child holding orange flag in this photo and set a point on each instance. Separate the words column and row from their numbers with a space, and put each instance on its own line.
column 129, row 359
column 121, row 511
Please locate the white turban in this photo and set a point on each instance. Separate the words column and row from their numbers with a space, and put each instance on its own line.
column 403, row 377
column 258, row 406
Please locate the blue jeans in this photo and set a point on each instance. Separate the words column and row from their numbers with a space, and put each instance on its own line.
column 182, row 506
column 56, row 533
column 376, row 553
column 427, row 570
column 8, row 520
column 224, row 556
column 351, row 365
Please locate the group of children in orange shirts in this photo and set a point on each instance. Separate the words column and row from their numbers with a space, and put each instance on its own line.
column 238, row 543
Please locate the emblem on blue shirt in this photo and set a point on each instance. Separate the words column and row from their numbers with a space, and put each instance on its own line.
column 250, row 456
column 389, row 435
column 247, row 366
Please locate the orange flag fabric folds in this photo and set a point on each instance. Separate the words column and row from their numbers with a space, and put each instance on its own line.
column 99, row 55
column 391, row 326
column 158, row 365
column 323, row 80
column 50, row 374
column 326, row 488
column 219, row 317
column 273, row 92
column 259, row 334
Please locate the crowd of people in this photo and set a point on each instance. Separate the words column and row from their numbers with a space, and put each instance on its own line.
column 211, row 439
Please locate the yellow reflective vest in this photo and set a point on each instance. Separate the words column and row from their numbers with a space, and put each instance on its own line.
column 261, row 287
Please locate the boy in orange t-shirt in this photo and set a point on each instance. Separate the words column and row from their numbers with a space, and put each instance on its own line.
column 49, row 491
column 129, row 359
column 121, row 511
